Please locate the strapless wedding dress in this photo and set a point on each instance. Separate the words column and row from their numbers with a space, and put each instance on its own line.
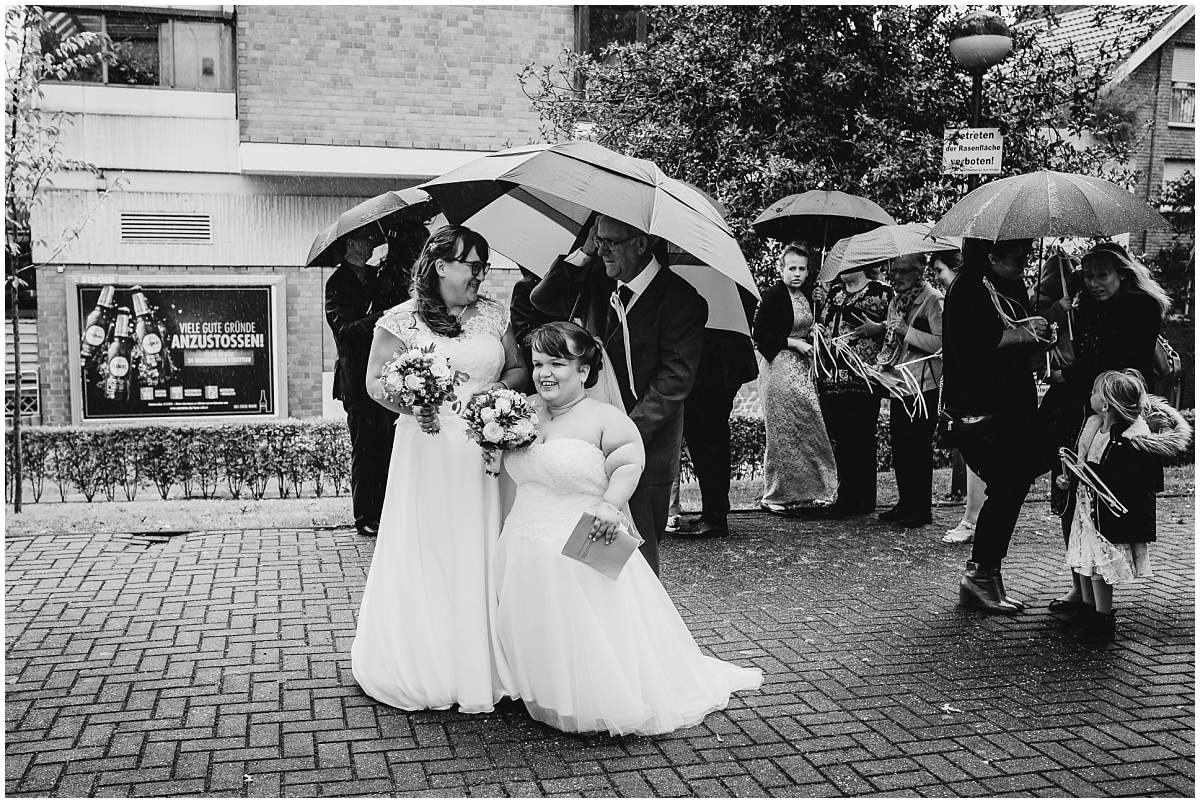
column 583, row 652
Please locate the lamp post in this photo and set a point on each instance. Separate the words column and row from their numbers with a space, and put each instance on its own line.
column 979, row 41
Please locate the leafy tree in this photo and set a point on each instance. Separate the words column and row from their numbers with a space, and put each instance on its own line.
column 33, row 154
column 753, row 103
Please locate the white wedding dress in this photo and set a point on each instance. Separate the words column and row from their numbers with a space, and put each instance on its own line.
column 424, row 637
column 586, row 653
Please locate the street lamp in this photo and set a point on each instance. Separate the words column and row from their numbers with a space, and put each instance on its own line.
column 979, row 41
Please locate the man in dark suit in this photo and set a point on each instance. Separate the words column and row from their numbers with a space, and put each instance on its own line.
column 629, row 290
column 727, row 363
column 352, row 306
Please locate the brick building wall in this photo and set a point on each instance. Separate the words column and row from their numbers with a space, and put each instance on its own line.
column 1148, row 90
column 303, row 289
column 424, row 76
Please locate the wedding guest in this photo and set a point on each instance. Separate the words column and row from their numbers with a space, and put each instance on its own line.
column 798, row 468
column 582, row 651
column 651, row 323
column 853, row 314
column 351, row 309
column 525, row 318
column 989, row 338
column 405, row 239
column 726, row 363
column 947, row 264
column 911, row 343
column 424, row 632
column 1124, row 442
column 1115, row 324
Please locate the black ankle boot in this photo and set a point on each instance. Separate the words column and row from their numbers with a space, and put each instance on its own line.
column 1100, row 628
column 1016, row 603
column 1082, row 617
column 980, row 589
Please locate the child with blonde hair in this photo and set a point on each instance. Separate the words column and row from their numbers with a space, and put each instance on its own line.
column 1112, row 522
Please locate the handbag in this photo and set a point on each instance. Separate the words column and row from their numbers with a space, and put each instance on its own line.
column 956, row 428
column 1167, row 363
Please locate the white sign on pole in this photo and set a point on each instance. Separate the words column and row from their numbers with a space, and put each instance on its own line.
column 972, row 150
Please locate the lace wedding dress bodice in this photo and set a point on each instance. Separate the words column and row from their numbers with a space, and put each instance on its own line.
column 478, row 352
column 556, row 481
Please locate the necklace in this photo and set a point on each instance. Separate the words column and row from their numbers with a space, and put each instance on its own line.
column 566, row 409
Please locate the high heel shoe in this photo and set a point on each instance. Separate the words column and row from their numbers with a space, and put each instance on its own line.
column 980, row 590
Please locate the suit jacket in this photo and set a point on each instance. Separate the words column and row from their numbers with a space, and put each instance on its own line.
column 348, row 310
column 728, row 360
column 666, row 332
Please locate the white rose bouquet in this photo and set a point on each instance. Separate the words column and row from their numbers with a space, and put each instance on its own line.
column 418, row 377
column 499, row 420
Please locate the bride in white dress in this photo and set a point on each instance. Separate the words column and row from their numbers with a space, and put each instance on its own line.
column 424, row 637
column 586, row 653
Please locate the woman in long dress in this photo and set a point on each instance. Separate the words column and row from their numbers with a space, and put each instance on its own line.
column 798, row 468
column 424, row 637
column 586, row 653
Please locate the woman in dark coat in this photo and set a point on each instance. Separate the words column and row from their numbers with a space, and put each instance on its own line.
column 989, row 340
column 1115, row 322
column 798, row 468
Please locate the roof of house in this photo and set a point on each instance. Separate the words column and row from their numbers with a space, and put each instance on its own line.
column 1129, row 34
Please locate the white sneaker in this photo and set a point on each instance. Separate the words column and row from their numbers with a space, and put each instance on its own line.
column 964, row 533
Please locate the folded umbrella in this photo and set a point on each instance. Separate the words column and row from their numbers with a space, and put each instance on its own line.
column 532, row 202
column 885, row 242
column 326, row 251
column 823, row 216
column 1047, row 204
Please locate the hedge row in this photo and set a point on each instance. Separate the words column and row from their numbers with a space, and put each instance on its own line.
column 250, row 459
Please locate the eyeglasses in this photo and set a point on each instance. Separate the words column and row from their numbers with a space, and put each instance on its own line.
column 605, row 244
column 477, row 268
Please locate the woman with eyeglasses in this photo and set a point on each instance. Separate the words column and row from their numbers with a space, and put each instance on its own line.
column 1115, row 321
column 912, row 338
column 424, row 627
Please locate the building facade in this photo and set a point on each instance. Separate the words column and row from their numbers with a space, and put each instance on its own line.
column 226, row 138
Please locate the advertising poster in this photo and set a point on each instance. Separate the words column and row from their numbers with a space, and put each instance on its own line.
column 170, row 351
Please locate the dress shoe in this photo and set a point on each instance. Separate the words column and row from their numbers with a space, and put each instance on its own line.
column 673, row 523
column 979, row 589
column 912, row 521
column 777, row 510
column 1065, row 606
column 368, row 530
column 894, row 513
column 703, row 529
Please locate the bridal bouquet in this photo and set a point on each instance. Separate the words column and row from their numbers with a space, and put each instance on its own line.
column 499, row 420
column 418, row 377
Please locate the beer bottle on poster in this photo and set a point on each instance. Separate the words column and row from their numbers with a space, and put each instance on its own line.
column 95, row 327
column 262, row 400
column 120, row 350
column 146, row 333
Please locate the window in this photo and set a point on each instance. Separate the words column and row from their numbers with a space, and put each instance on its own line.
column 151, row 49
column 1183, row 85
column 1174, row 186
column 597, row 27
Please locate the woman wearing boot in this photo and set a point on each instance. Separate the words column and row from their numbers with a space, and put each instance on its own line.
column 989, row 399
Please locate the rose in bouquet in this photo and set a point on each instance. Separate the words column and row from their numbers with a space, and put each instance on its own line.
column 499, row 420
column 418, row 377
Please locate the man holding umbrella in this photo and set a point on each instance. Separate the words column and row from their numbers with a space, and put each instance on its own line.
column 651, row 323
column 352, row 307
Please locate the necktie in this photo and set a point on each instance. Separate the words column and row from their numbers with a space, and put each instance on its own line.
column 619, row 301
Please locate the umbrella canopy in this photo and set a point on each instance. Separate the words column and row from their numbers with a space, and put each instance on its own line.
column 531, row 204
column 1047, row 204
column 824, row 215
column 885, row 242
column 326, row 250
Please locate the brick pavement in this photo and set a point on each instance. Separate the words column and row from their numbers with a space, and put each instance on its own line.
column 218, row 664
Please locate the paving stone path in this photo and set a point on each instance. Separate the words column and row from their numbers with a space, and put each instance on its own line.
column 217, row 663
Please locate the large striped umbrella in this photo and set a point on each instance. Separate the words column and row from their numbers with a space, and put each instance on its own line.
column 532, row 202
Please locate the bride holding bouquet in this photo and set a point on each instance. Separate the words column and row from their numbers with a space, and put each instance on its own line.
column 424, row 627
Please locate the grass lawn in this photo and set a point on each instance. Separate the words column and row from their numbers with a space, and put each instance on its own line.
column 149, row 513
